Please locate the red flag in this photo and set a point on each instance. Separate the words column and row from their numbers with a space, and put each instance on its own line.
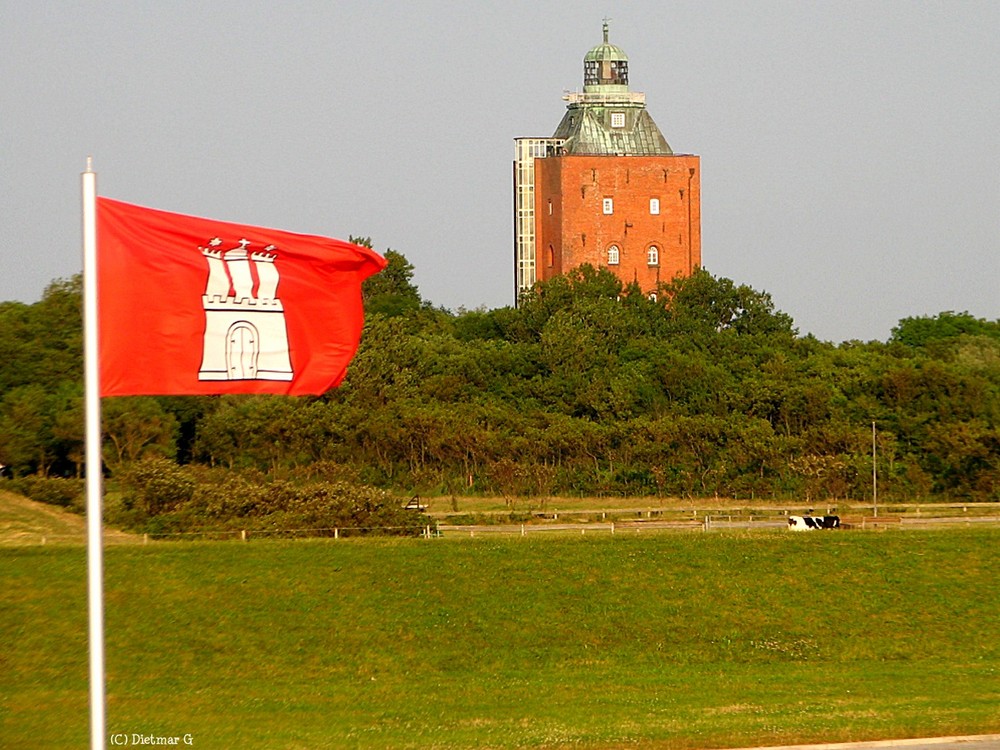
column 192, row 306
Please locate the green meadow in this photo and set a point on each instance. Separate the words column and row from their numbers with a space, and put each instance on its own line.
column 671, row 640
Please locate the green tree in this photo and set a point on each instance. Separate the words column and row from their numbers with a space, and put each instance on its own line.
column 25, row 430
column 68, row 426
column 705, row 303
column 43, row 342
column 923, row 330
column 392, row 291
column 135, row 427
column 264, row 432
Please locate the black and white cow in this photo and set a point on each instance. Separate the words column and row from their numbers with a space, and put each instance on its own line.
column 807, row 523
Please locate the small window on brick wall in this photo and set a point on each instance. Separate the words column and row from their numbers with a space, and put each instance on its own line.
column 613, row 255
column 653, row 256
column 654, row 206
column 609, row 205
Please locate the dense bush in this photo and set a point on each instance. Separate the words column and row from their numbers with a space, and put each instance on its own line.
column 160, row 497
column 155, row 486
column 66, row 493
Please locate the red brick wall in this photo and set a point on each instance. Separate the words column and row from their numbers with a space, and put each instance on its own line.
column 571, row 228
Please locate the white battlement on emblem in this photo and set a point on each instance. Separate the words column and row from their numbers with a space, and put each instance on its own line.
column 263, row 256
column 211, row 252
column 216, row 302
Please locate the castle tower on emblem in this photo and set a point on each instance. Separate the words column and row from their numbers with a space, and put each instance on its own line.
column 245, row 333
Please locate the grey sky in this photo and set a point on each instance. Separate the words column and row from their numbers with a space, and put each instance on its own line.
column 850, row 150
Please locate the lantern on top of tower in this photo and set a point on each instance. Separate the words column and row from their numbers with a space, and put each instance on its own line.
column 605, row 66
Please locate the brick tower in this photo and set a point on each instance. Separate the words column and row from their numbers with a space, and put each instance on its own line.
column 606, row 188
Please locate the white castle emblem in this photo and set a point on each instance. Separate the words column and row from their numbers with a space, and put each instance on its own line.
column 245, row 334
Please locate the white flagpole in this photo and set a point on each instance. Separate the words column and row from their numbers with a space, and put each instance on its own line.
column 95, row 545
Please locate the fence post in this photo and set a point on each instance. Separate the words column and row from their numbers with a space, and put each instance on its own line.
column 243, row 535
column 145, row 538
column 612, row 528
column 336, row 533
column 522, row 529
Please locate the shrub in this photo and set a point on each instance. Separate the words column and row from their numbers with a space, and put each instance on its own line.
column 160, row 497
column 66, row 493
column 155, row 485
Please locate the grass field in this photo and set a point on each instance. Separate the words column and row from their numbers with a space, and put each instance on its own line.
column 664, row 641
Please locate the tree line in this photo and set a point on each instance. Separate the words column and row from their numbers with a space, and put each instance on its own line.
column 587, row 387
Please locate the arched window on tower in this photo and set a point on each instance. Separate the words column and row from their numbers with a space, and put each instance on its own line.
column 613, row 255
column 653, row 256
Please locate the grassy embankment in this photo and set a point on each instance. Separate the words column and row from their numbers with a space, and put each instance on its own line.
column 664, row 641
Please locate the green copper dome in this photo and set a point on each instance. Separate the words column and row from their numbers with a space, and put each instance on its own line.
column 605, row 67
column 605, row 51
